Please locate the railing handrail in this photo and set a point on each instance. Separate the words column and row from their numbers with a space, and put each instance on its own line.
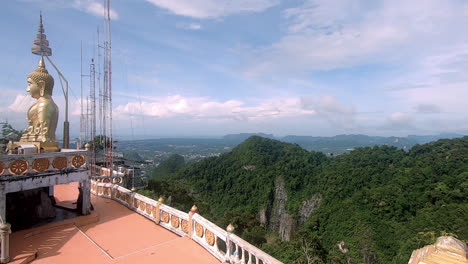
column 219, row 233
column 41, row 155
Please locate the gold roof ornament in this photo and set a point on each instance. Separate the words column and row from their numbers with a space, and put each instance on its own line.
column 41, row 44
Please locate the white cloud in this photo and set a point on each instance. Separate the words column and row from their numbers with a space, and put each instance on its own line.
column 325, row 109
column 329, row 108
column 437, row 82
column 213, row 8
column 331, row 34
column 94, row 7
column 206, row 108
column 21, row 103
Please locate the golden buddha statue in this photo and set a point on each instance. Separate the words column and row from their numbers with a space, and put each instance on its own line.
column 43, row 115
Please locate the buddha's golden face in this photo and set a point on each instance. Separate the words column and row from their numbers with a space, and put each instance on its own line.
column 33, row 89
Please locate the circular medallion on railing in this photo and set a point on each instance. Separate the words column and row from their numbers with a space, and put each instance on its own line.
column 209, row 237
column 2, row 168
column 185, row 226
column 148, row 208
column 78, row 161
column 175, row 221
column 60, row 163
column 41, row 164
column 142, row 206
column 121, row 179
column 18, row 167
column 199, row 229
column 165, row 217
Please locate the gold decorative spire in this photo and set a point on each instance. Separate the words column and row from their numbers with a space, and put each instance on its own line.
column 41, row 44
column 41, row 67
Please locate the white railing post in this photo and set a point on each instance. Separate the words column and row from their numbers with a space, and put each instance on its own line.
column 157, row 216
column 230, row 230
column 5, row 231
column 193, row 211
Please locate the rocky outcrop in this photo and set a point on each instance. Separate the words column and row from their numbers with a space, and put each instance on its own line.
column 280, row 221
column 308, row 207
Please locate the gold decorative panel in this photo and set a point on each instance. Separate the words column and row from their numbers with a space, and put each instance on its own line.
column 175, row 221
column 60, row 163
column 41, row 164
column 78, row 161
column 165, row 217
column 199, row 229
column 209, row 237
column 148, row 208
column 185, row 226
column 19, row 167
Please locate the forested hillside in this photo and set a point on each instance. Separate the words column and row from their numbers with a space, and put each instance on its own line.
column 379, row 203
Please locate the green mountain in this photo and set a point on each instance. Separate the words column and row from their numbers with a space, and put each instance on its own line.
column 378, row 203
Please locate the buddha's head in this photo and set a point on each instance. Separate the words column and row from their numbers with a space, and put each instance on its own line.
column 40, row 82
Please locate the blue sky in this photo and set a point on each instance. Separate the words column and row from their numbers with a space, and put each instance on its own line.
column 213, row 67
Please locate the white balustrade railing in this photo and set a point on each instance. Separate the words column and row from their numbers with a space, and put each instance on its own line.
column 221, row 244
column 209, row 235
column 32, row 164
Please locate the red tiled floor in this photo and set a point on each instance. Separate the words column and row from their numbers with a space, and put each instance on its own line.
column 126, row 237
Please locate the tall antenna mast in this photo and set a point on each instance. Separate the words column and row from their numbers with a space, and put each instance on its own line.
column 92, row 102
column 82, row 120
column 100, row 114
column 108, row 89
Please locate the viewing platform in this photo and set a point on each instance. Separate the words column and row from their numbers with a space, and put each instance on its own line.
column 111, row 234
column 126, row 227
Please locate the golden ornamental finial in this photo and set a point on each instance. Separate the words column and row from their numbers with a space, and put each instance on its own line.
column 41, row 66
column 161, row 200
column 230, row 228
column 41, row 44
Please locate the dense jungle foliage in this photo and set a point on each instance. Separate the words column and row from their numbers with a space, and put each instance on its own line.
column 382, row 202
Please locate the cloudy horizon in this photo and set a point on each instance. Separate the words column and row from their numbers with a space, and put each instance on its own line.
column 216, row 67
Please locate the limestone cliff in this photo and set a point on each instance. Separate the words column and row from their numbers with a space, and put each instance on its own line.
column 280, row 220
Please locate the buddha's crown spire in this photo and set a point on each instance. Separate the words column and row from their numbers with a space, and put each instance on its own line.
column 41, row 66
column 41, row 44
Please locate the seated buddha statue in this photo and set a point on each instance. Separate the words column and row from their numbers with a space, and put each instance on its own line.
column 42, row 116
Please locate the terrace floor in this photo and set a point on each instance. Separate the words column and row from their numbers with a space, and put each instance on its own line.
column 111, row 234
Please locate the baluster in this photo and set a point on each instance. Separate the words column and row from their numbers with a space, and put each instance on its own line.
column 243, row 256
